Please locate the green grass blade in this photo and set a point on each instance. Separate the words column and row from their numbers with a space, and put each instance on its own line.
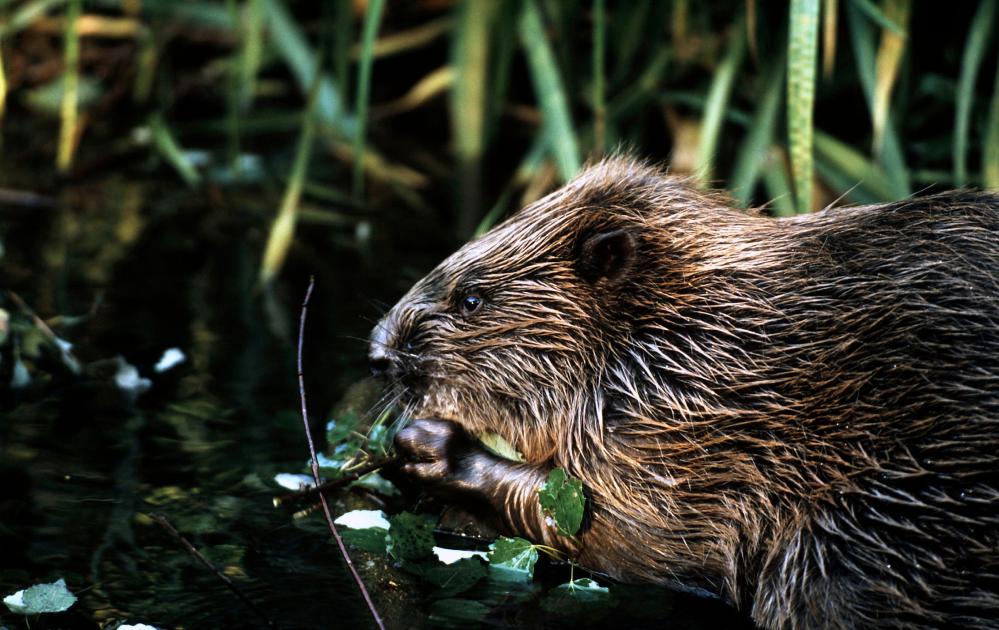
column 875, row 14
column 830, row 15
column 642, row 89
column 252, row 52
column 343, row 33
column 372, row 20
column 3, row 84
column 990, row 152
column 145, row 69
column 891, row 158
column 291, row 45
column 25, row 14
column 631, row 19
column 778, row 184
column 171, row 151
column 528, row 167
column 855, row 168
column 282, row 231
column 505, row 45
column 599, row 80
column 71, row 82
column 548, row 88
column 717, row 102
column 888, row 61
column 755, row 151
column 802, row 52
column 470, row 60
column 982, row 26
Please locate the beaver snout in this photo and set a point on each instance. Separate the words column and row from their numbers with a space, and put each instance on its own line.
column 383, row 360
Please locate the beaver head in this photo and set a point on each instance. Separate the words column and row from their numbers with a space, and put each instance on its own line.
column 521, row 330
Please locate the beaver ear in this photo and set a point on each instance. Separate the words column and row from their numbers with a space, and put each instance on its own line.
column 607, row 256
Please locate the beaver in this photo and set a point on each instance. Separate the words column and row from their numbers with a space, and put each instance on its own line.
column 799, row 415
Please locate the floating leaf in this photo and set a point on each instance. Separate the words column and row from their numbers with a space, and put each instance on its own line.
column 563, row 500
column 41, row 598
column 453, row 578
column 513, row 559
column 578, row 596
column 411, row 536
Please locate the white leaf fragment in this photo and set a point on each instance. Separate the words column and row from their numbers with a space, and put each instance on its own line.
column 450, row 556
column 363, row 519
column 294, row 482
column 170, row 359
column 128, row 380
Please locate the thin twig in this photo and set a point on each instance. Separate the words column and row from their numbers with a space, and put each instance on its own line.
column 333, row 484
column 315, row 463
column 165, row 524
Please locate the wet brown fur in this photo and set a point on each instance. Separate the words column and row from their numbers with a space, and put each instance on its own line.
column 798, row 414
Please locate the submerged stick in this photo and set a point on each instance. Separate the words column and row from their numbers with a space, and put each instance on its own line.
column 165, row 524
column 333, row 484
column 315, row 463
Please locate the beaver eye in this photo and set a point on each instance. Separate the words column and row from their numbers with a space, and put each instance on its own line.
column 470, row 304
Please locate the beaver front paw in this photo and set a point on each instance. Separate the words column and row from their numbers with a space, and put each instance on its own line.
column 444, row 457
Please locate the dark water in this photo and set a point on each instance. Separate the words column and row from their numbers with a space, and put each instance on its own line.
column 160, row 267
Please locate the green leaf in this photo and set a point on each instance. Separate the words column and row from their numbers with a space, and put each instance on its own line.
column 563, row 500
column 513, row 559
column 578, row 596
column 41, row 598
column 371, row 539
column 454, row 578
column 380, row 439
column 802, row 53
column 411, row 536
column 341, row 429
column 498, row 446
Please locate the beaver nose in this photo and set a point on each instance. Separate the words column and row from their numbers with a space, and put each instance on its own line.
column 381, row 358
